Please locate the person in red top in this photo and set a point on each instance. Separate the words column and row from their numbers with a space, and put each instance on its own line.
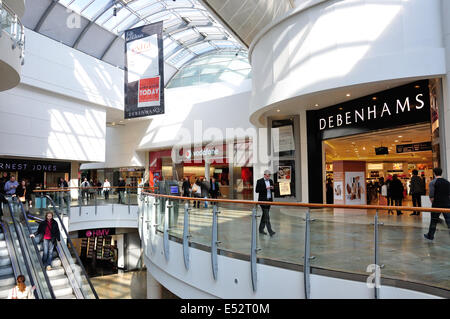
column 48, row 232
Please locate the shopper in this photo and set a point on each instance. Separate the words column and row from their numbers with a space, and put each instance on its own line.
column 21, row 291
column 85, row 189
column 24, row 193
column 197, row 192
column 389, row 193
column 99, row 188
column 64, row 194
column 121, row 191
column 440, row 198
column 11, row 186
column 416, row 190
column 329, row 191
column 396, row 188
column 48, row 233
column 205, row 190
column 106, row 188
column 264, row 187
column 3, row 201
column 214, row 190
column 186, row 187
column 92, row 189
column 3, row 180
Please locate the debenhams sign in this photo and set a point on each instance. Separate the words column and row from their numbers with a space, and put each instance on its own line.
column 404, row 105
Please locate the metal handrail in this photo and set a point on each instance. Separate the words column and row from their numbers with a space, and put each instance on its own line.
column 66, row 189
column 71, row 243
column 36, row 248
column 20, row 40
column 304, row 205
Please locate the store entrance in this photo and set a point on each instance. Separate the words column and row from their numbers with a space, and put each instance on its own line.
column 378, row 155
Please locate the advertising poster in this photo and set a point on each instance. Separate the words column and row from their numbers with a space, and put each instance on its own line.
column 338, row 190
column 283, row 139
column 285, row 188
column 355, row 188
column 144, row 71
column 284, row 174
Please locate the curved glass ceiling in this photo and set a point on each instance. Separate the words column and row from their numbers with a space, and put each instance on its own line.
column 189, row 30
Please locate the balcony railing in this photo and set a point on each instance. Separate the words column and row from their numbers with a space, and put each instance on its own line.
column 360, row 243
column 13, row 27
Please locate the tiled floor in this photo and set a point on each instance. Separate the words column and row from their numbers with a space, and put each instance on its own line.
column 129, row 285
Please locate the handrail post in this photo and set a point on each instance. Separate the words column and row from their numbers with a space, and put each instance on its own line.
column 377, row 267
column 95, row 201
column 80, row 200
column 254, row 249
column 166, row 230
column 186, row 236
column 214, row 243
column 306, row 261
column 41, row 207
column 128, row 199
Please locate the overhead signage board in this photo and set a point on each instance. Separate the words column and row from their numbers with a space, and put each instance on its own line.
column 19, row 165
column 408, row 104
column 416, row 147
column 98, row 232
column 144, row 71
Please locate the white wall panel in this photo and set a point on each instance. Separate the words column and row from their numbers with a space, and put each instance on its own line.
column 55, row 67
column 334, row 44
column 37, row 123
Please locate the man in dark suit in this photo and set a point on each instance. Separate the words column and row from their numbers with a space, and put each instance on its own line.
column 214, row 189
column 440, row 198
column 264, row 187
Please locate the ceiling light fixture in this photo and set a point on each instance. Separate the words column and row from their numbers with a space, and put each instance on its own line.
column 348, row 94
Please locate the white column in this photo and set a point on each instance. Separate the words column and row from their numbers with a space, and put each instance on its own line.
column 120, row 252
column 444, row 116
column 74, row 168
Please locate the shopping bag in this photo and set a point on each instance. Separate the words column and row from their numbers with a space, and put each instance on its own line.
column 382, row 201
column 40, row 202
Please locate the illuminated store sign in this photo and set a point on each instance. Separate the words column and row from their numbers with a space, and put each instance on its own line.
column 407, row 104
column 373, row 112
column 101, row 232
column 14, row 165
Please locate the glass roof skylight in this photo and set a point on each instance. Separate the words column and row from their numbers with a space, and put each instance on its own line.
column 189, row 30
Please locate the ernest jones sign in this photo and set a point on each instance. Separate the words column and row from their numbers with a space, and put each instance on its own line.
column 12, row 165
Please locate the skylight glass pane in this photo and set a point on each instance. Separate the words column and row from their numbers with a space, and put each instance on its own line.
column 94, row 9
column 79, row 5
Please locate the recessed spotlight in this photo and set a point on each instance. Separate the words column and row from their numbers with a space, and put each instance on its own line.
column 400, row 136
column 417, row 86
column 374, row 98
column 317, row 104
column 278, row 110
column 348, row 94
column 396, row 141
column 340, row 108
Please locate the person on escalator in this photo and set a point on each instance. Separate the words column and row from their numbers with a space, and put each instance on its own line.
column 3, row 200
column 48, row 233
column 21, row 291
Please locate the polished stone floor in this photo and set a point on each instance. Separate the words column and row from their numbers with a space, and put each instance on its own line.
column 124, row 285
column 340, row 240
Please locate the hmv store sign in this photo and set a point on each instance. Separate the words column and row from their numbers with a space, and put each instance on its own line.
column 408, row 104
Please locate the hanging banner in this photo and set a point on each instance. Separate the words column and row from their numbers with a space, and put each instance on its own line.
column 144, row 71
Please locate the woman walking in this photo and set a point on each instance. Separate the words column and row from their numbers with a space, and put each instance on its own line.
column 21, row 291
column 48, row 232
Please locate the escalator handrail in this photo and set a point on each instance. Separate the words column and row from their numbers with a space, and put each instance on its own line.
column 11, row 250
column 21, row 244
column 36, row 249
column 71, row 243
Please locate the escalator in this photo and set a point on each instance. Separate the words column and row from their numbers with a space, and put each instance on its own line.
column 16, row 259
column 7, row 272
column 67, row 278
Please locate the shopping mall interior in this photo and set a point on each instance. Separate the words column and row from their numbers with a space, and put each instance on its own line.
column 204, row 149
